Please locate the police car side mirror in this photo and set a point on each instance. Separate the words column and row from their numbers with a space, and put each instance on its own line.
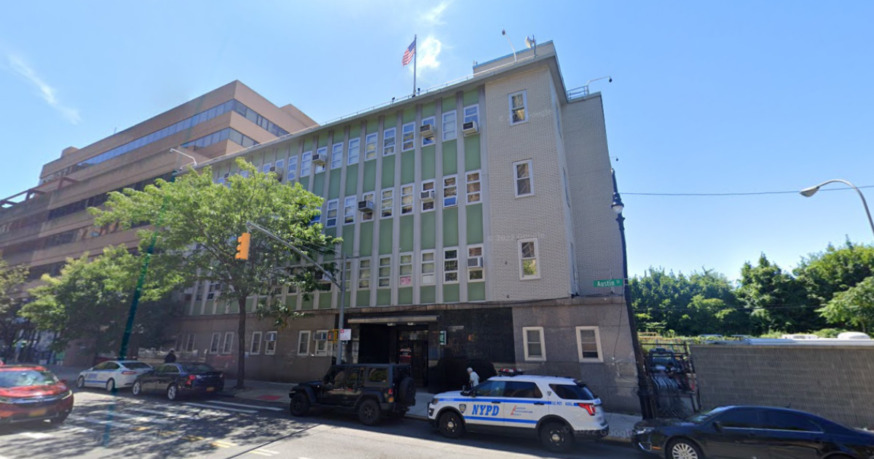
column 467, row 393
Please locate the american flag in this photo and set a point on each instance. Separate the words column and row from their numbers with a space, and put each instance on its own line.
column 409, row 53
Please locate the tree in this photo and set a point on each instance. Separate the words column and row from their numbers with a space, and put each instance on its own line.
column 195, row 224
column 774, row 299
column 852, row 307
column 835, row 270
column 11, row 280
column 91, row 300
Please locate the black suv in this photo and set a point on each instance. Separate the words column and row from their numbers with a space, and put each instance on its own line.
column 370, row 390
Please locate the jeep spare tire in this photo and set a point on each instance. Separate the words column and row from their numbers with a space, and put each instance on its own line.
column 407, row 391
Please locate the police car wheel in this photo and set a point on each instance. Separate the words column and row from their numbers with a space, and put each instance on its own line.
column 556, row 437
column 450, row 425
column 80, row 383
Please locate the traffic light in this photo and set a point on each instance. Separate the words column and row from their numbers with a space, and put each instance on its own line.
column 243, row 247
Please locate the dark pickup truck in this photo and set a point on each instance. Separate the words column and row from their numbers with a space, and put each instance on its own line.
column 372, row 391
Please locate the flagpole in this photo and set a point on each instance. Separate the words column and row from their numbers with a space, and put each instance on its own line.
column 415, row 55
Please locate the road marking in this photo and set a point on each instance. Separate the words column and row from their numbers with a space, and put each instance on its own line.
column 36, row 435
column 272, row 408
column 101, row 422
column 223, row 444
column 162, row 413
column 264, row 452
column 74, row 430
column 141, row 418
column 192, row 438
column 222, row 408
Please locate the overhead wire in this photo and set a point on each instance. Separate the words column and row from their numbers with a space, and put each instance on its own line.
column 749, row 193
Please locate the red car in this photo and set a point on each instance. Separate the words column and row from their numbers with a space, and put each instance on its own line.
column 32, row 393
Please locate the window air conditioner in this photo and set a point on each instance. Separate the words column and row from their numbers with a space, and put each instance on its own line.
column 427, row 196
column 475, row 262
column 469, row 128
column 319, row 159
column 426, row 131
column 365, row 206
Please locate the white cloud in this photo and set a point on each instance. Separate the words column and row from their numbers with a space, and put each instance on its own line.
column 45, row 91
column 428, row 53
column 434, row 16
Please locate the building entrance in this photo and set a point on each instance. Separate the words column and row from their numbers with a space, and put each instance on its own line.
column 381, row 343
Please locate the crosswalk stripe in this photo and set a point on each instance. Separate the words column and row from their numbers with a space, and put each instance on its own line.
column 223, row 408
column 140, row 418
column 264, row 452
column 259, row 407
column 36, row 435
column 101, row 422
column 223, row 444
column 162, row 413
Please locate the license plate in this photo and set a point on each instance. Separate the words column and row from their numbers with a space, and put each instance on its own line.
column 210, row 389
column 35, row 413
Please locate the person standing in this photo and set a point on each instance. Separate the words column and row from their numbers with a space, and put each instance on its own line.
column 474, row 377
column 171, row 357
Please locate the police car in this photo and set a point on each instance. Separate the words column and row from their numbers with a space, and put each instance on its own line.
column 557, row 410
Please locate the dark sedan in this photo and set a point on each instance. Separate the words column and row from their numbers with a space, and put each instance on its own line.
column 179, row 379
column 32, row 393
column 752, row 431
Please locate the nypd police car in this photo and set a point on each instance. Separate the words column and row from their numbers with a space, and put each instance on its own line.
column 557, row 410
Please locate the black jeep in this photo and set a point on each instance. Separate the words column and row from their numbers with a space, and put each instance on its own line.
column 370, row 390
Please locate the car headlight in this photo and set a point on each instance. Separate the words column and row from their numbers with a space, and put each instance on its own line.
column 435, row 401
column 643, row 430
column 5, row 400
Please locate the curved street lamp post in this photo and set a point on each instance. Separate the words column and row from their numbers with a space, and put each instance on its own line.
column 808, row 192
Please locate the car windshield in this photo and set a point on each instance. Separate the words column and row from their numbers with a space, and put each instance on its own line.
column 698, row 418
column 197, row 368
column 136, row 365
column 24, row 378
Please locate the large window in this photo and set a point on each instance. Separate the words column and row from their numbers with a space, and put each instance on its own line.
column 303, row 342
column 428, row 267
column 428, row 195
column 255, row 345
column 529, row 267
column 350, row 206
column 337, row 156
column 405, row 266
column 331, row 214
column 354, row 151
column 471, row 113
column 270, row 343
column 321, row 342
column 364, row 273
column 306, row 164
column 409, row 136
column 473, row 187
column 475, row 263
column 388, row 141
column 450, row 125
column 384, row 271
column 450, row 191
column 430, row 122
column 292, row 169
column 450, row 266
column 533, row 344
column 518, row 107
column 215, row 343
column 280, row 165
column 386, row 205
column 589, row 344
column 228, row 344
column 370, row 146
column 524, row 181
column 406, row 199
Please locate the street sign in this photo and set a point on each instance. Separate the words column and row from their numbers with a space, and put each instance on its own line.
column 608, row 283
column 346, row 334
column 442, row 337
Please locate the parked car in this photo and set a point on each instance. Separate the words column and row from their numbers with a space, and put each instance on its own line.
column 112, row 374
column 372, row 391
column 32, row 393
column 180, row 379
column 557, row 410
column 752, row 431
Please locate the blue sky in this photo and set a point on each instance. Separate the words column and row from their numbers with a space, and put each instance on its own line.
column 706, row 98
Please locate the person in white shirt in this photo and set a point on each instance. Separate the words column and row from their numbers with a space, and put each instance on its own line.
column 474, row 377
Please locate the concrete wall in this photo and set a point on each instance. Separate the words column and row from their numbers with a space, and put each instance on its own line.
column 833, row 381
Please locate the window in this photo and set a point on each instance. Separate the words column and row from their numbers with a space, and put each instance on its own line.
column 534, row 349
column 408, row 140
column 490, row 389
column 228, row 344
column 350, row 206
column 589, row 344
column 347, row 280
column 306, row 164
column 363, row 274
column 782, row 420
column 321, row 342
column 522, row 389
column 337, row 156
column 388, row 142
column 292, row 168
column 528, row 266
column 370, row 146
column 427, row 196
column 323, row 153
column 255, row 346
column 215, row 343
column 387, row 204
column 578, row 391
column 406, row 199
column 450, row 191
column 270, row 343
column 405, row 268
column 368, row 197
column 475, row 263
column 473, row 187
column 450, row 266
column 518, row 107
column 522, row 173
column 354, row 151
column 384, row 271
column 331, row 214
column 191, row 341
column 303, row 342
column 471, row 113
column 430, row 122
column 280, row 164
column 741, row 418
column 266, row 168
column 450, row 125
column 428, row 266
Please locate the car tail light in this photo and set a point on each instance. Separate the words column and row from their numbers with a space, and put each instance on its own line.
column 589, row 407
column 128, row 372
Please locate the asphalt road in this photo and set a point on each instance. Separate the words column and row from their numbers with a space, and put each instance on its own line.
column 104, row 425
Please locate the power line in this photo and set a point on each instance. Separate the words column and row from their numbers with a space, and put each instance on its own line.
column 751, row 193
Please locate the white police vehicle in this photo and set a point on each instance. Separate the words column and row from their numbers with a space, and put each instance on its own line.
column 557, row 410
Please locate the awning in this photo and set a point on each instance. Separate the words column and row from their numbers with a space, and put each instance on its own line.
column 392, row 319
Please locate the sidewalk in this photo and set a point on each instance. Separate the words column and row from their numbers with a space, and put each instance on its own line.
column 621, row 425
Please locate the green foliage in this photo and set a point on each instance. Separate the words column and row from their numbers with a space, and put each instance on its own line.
column 835, row 270
column 775, row 300
column 854, row 306
column 11, row 280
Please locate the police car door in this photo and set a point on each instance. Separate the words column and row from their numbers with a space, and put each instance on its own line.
column 485, row 407
column 524, row 404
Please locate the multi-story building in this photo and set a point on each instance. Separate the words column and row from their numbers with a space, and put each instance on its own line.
column 44, row 225
column 475, row 219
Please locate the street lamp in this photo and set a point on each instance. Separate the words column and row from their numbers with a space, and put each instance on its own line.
column 808, row 192
column 643, row 387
